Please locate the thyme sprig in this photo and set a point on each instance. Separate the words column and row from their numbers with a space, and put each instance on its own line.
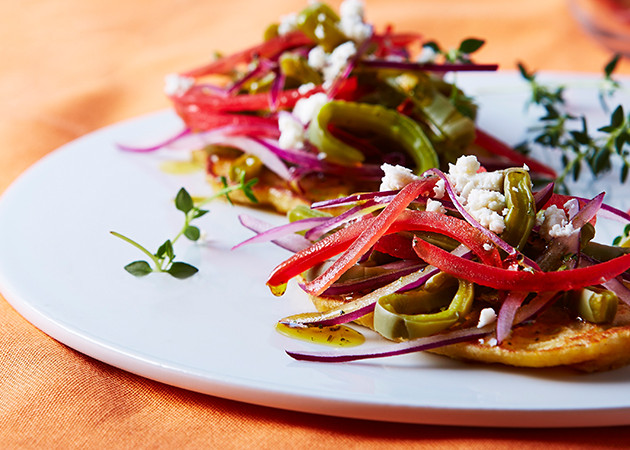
column 163, row 259
column 560, row 129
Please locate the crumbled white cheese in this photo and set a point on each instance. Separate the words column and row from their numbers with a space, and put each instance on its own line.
column 427, row 55
column 462, row 172
column 479, row 192
column 396, row 177
column 486, row 317
column 484, row 198
column 177, row 85
column 395, row 58
column 562, row 230
column 306, row 108
column 492, row 342
column 292, row 125
column 465, row 165
column 351, row 21
column 320, row 32
column 439, row 190
column 464, row 183
column 435, row 206
column 487, row 247
column 317, row 58
column 338, row 60
column 554, row 223
column 356, row 30
column 306, row 88
column 292, row 134
column 488, row 219
column 351, row 8
column 288, row 23
column 486, row 207
column 572, row 206
column 333, row 64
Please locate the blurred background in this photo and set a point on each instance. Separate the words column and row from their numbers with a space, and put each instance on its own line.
column 70, row 66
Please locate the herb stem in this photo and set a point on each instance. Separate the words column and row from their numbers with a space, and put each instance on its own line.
column 181, row 232
column 156, row 260
column 220, row 193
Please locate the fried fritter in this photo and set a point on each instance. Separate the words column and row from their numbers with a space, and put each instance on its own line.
column 554, row 338
column 279, row 195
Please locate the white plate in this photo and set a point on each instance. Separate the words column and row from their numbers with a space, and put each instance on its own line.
column 214, row 333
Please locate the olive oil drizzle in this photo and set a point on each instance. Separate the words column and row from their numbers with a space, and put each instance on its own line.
column 334, row 336
column 180, row 167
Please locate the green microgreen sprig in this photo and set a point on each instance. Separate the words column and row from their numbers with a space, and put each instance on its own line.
column 163, row 260
column 461, row 54
column 569, row 133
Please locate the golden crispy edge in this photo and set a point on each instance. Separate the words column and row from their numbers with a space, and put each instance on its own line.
column 275, row 197
column 277, row 194
column 553, row 339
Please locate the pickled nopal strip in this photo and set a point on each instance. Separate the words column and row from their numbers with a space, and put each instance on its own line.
column 373, row 119
column 596, row 305
column 450, row 131
column 296, row 67
column 302, row 212
column 409, row 315
column 319, row 22
column 521, row 206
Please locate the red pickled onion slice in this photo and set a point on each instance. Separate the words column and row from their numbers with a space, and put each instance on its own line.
column 428, row 67
column 281, row 231
column 291, row 242
column 156, row 146
column 507, row 313
column 411, row 346
column 402, row 268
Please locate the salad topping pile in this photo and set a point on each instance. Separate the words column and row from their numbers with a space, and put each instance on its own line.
column 434, row 259
column 315, row 109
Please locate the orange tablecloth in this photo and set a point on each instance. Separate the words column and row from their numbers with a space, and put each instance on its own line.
column 70, row 67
